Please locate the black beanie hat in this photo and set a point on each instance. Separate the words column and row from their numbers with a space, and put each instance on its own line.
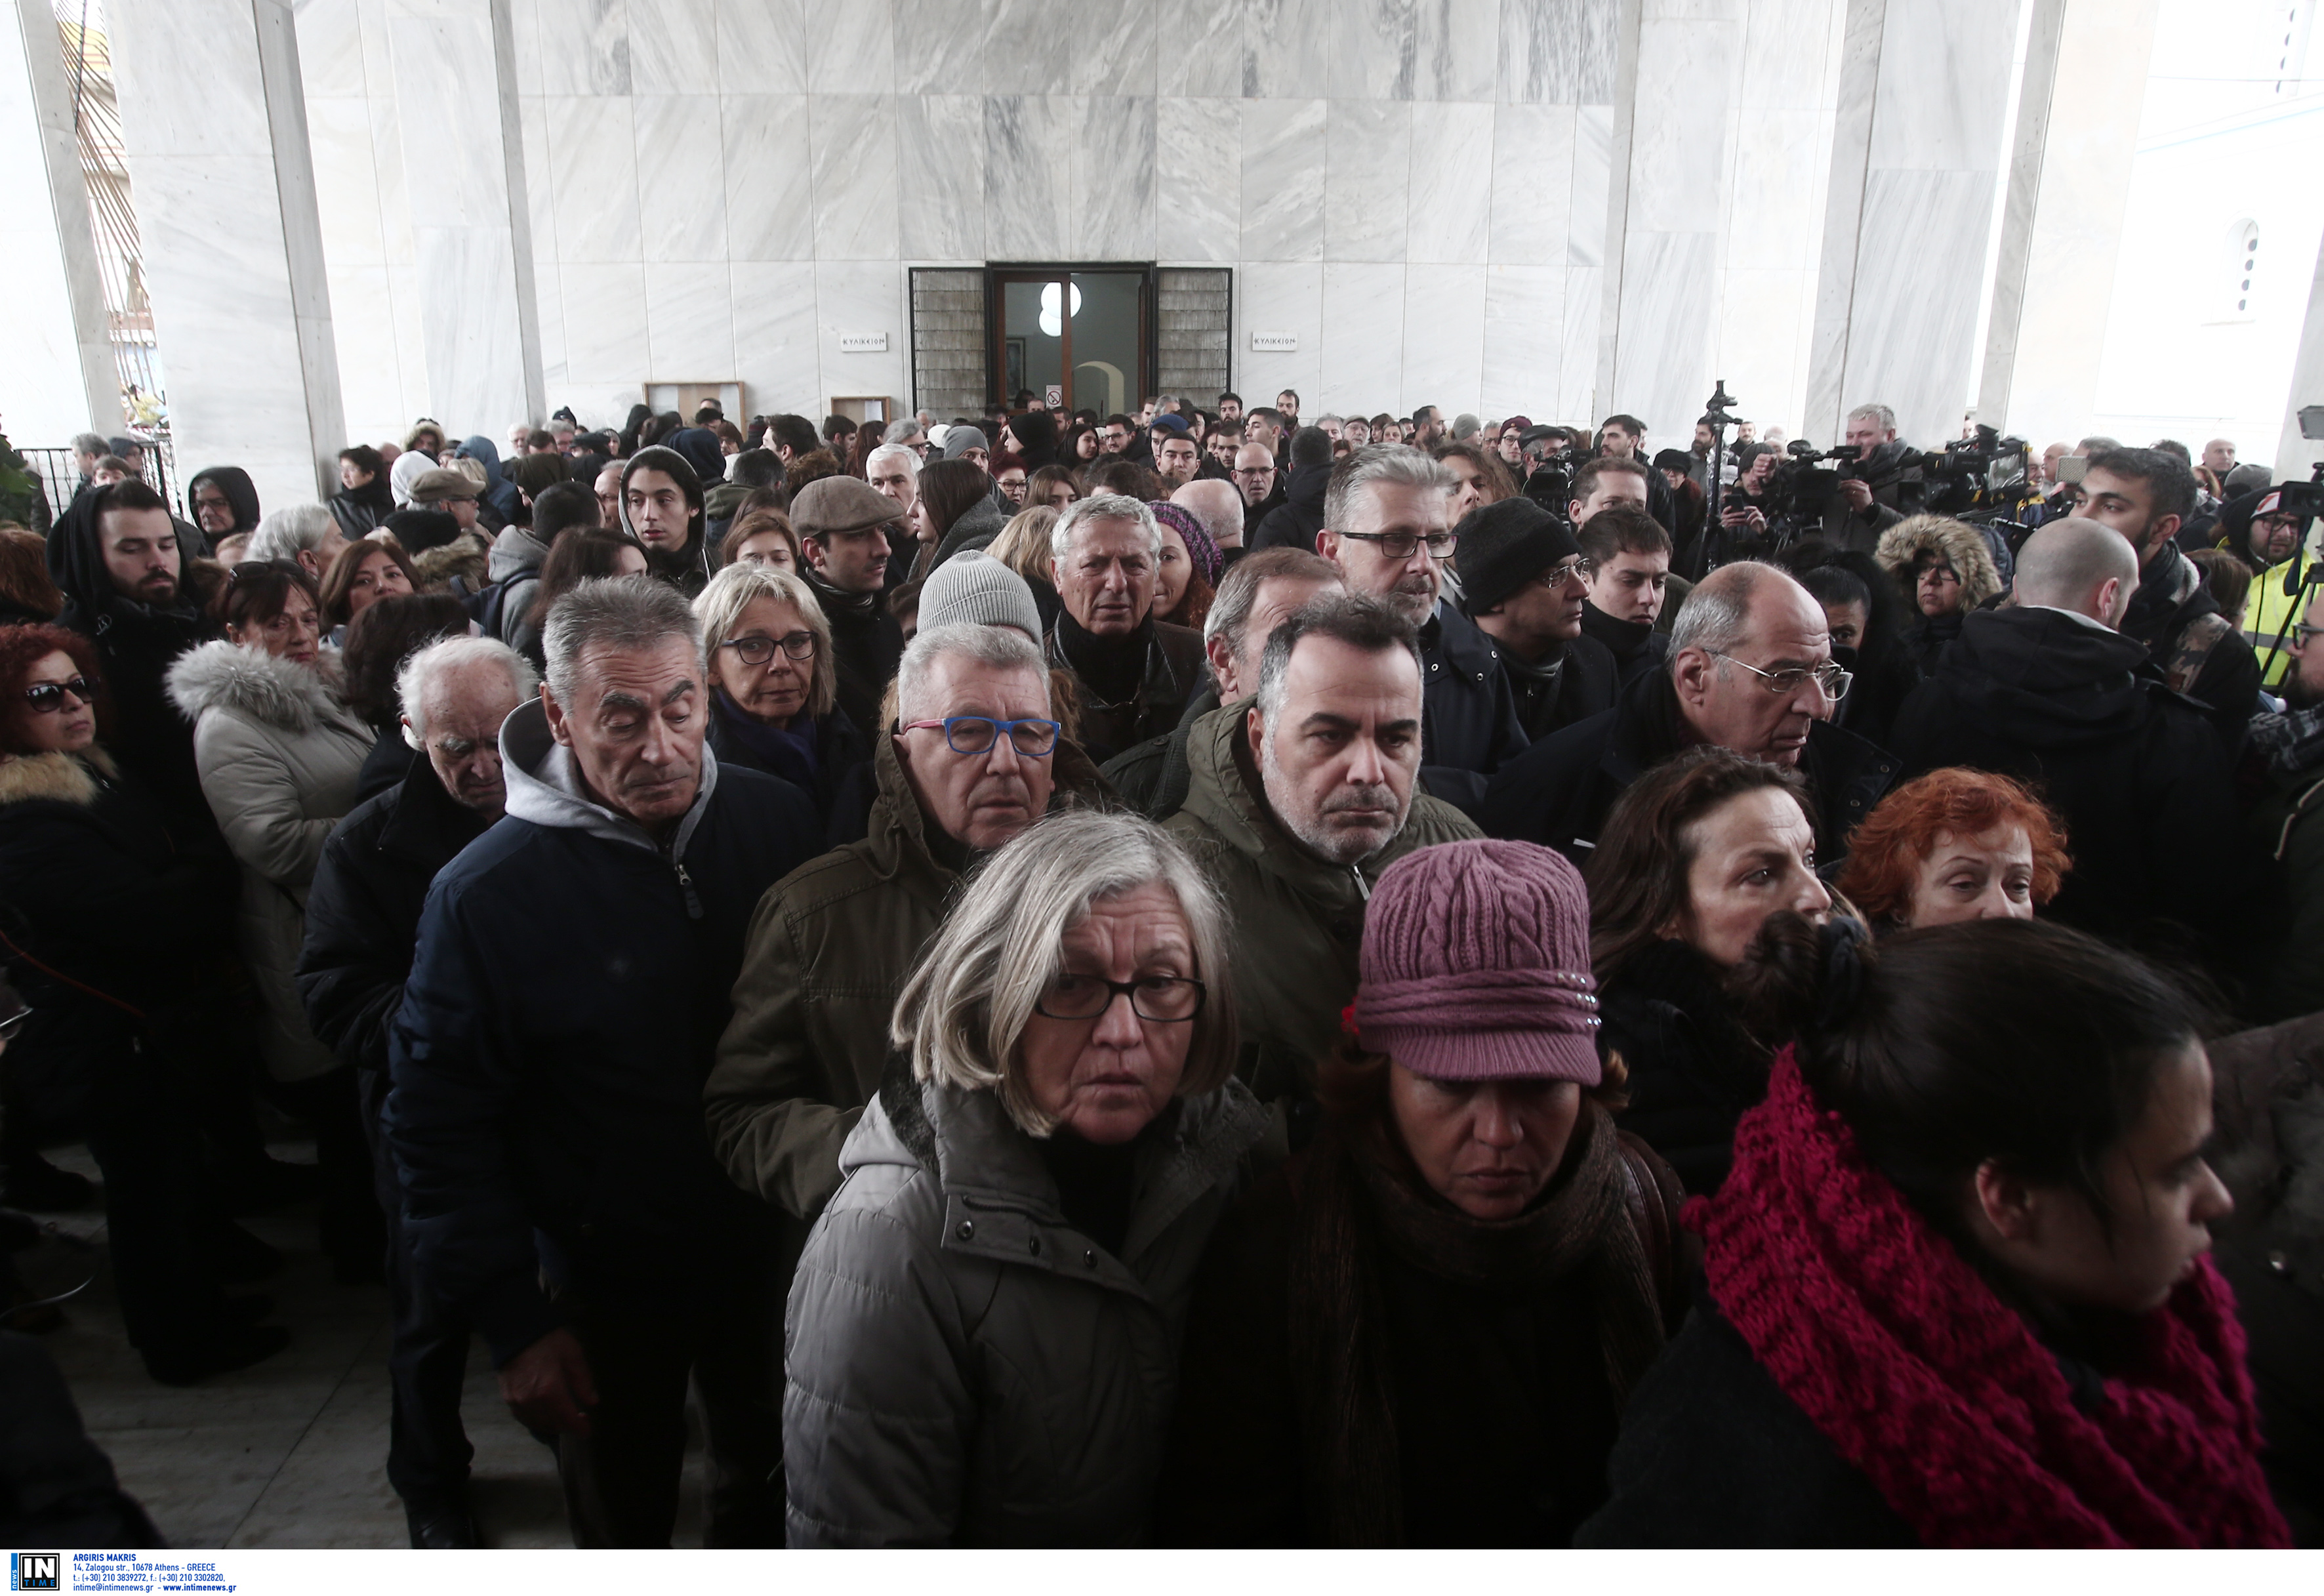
column 1505, row 546
column 419, row 531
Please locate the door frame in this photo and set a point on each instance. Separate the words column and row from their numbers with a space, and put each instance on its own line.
column 997, row 274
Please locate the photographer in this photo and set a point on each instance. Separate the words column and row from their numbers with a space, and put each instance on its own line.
column 1880, row 487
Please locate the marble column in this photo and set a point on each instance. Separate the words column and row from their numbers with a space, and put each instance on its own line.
column 456, row 94
column 58, row 377
column 2295, row 456
column 2062, row 232
column 215, row 128
column 1678, row 71
column 1917, row 156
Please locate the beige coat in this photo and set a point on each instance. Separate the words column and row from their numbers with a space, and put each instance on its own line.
column 278, row 754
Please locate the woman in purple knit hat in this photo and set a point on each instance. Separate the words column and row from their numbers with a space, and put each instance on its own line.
column 1421, row 1330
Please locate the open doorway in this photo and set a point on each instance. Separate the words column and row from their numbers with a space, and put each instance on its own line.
column 1073, row 336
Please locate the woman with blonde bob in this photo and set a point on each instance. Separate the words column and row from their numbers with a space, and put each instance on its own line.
column 775, row 698
column 983, row 1332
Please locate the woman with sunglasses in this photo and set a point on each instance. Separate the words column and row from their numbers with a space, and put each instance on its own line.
column 111, row 922
column 775, row 703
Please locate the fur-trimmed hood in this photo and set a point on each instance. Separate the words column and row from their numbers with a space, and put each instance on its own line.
column 222, row 675
column 1956, row 541
column 54, row 778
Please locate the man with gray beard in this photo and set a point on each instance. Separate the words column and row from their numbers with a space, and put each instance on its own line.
column 1298, row 799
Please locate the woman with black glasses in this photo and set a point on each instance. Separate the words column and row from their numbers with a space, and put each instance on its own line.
column 112, row 933
column 774, row 707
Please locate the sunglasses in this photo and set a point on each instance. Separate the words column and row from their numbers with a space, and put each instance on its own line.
column 48, row 697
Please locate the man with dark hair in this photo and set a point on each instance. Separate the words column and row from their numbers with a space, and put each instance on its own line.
column 1266, row 426
column 1629, row 556
column 752, row 469
column 1230, row 408
column 1287, row 408
column 1295, row 520
column 792, row 437
column 838, row 433
column 707, row 411
column 1177, row 455
column 846, row 530
column 1427, row 427
column 1298, row 798
column 1524, row 579
column 572, row 974
column 1113, row 436
column 1620, row 440
column 1221, row 446
column 2145, row 495
column 1387, row 525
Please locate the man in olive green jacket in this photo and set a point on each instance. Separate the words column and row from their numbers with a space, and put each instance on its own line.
column 833, row 942
column 1298, row 799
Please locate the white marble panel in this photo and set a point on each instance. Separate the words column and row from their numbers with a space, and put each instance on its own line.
column 770, row 205
column 681, row 180
column 548, row 307
column 450, row 113
column 539, row 189
column 585, row 46
column 1524, row 329
column 1205, row 52
column 940, row 176
column 1760, row 337
column 1028, row 176
column 775, row 352
column 851, row 48
column 1913, row 322
column 1273, row 297
column 853, row 138
column 605, row 322
column 1286, row 48
column 1367, row 167
column 1114, row 47
column 940, row 46
column 1945, row 87
column 411, row 367
column 673, row 47
column 1451, row 182
column 1455, row 50
column 1678, row 132
column 761, row 47
column 1361, row 361
column 187, row 73
column 689, row 322
column 468, row 323
column 395, row 190
column 1444, row 337
column 524, row 35
column 1593, row 170
column 1532, row 184
column 1783, row 64
column 330, row 49
column 1577, row 368
column 1113, row 179
column 1558, row 52
column 364, row 337
column 1197, row 192
column 347, row 187
column 1661, row 363
column 379, row 73
column 593, row 160
column 1371, row 47
column 1283, row 179
column 862, row 297
column 1030, row 48
column 1773, row 220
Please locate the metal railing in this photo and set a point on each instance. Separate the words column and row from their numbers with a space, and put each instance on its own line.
column 60, row 473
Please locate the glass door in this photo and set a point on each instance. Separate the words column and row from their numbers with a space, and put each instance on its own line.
column 1069, row 337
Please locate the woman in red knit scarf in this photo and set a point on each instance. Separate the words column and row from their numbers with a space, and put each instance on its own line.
column 1957, row 1293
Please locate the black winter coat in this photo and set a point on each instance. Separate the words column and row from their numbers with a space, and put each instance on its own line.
column 1558, row 792
column 1713, row 1453
column 1294, row 523
column 1469, row 718
column 1693, row 1071
column 1587, row 683
column 571, row 982
column 1154, row 777
column 843, row 756
column 866, row 646
column 363, row 909
column 2138, row 773
column 1636, row 647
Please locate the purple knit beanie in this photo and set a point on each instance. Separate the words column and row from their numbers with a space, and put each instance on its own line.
column 1476, row 965
column 1199, row 548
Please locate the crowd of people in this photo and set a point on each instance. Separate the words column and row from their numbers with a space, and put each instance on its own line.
column 1208, row 978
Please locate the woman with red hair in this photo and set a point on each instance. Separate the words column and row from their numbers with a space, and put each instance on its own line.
column 1955, row 844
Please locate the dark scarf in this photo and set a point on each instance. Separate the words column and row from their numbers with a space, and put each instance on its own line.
column 1622, row 638
column 2293, row 742
column 1113, row 666
column 2169, row 584
column 1919, row 1374
column 1352, row 1202
column 790, row 754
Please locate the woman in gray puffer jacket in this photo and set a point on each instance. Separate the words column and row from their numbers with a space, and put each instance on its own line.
column 984, row 1334
column 279, row 753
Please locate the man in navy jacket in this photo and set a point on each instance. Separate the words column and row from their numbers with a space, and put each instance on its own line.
column 570, row 984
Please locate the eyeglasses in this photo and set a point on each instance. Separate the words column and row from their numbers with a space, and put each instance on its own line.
column 1399, row 545
column 758, row 651
column 1167, row 1000
column 975, row 733
column 1830, row 678
column 48, row 697
column 1558, row 576
column 2300, row 632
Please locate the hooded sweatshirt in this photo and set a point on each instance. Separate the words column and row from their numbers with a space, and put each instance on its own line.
column 500, row 493
column 240, row 492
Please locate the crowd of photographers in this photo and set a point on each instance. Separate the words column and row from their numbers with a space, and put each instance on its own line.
column 1107, row 979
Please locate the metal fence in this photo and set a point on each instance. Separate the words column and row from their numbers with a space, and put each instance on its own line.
column 60, row 473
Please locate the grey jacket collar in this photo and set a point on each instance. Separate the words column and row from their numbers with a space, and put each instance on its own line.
column 544, row 788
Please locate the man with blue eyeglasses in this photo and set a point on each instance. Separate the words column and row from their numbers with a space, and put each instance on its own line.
column 971, row 760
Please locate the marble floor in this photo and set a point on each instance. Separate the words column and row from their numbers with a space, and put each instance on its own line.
column 292, row 1451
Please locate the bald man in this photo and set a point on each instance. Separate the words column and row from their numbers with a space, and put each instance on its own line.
column 2047, row 690
column 1750, row 669
column 1218, row 504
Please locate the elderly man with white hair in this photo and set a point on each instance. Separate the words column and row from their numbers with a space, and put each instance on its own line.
column 571, row 978
column 894, row 469
column 1135, row 673
column 363, row 915
column 305, row 535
